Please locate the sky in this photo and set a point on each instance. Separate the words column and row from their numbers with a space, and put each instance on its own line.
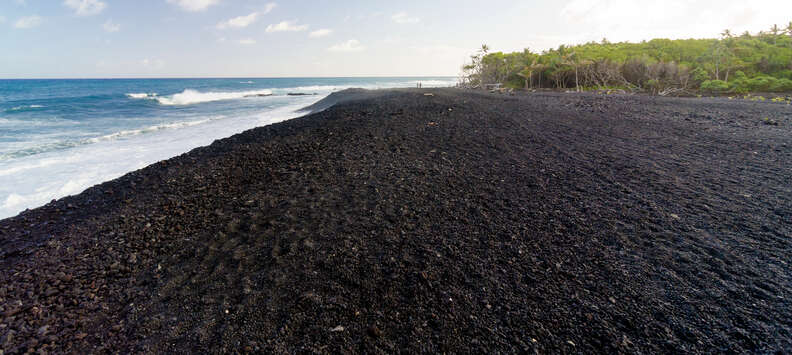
column 331, row 38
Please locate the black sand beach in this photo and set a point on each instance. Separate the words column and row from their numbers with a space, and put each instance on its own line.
column 452, row 222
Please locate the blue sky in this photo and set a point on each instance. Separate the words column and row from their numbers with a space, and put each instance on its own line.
column 193, row 38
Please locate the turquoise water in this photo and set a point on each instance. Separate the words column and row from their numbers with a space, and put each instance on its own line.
column 59, row 137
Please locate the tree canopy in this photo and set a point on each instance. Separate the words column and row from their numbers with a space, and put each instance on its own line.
column 730, row 64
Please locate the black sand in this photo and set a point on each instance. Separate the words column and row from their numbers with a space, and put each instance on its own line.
column 459, row 222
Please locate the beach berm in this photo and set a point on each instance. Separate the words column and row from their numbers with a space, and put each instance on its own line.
column 395, row 221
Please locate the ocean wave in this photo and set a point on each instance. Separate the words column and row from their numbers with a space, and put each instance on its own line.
column 190, row 97
column 135, row 132
column 246, row 82
column 24, row 108
column 142, row 95
column 47, row 147
column 26, row 122
column 315, row 88
column 41, row 148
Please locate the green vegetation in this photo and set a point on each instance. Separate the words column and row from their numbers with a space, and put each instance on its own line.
column 731, row 64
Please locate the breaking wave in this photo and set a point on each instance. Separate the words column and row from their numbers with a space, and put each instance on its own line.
column 51, row 146
column 191, row 97
column 134, row 132
column 24, row 108
column 142, row 95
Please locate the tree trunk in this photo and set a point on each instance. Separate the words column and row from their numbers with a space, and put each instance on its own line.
column 577, row 85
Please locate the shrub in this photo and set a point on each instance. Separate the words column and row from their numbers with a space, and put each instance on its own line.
column 762, row 83
column 739, row 86
column 715, row 86
column 783, row 85
column 700, row 75
column 785, row 74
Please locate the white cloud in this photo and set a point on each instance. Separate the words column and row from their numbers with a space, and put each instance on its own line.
column 268, row 8
column 351, row 45
column 630, row 20
column 85, row 7
column 28, row 22
column 402, row 17
column 238, row 22
column 109, row 26
column 246, row 41
column 152, row 63
column 320, row 33
column 286, row 26
column 440, row 49
column 194, row 5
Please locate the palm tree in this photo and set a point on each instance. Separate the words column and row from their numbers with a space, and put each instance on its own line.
column 761, row 35
column 775, row 30
column 573, row 59
column 539, row 67
column 726, row 33
column 527, row 73
column 483, row 50
column 788, row 30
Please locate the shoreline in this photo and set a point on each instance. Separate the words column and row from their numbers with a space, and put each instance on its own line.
column 56, row 148
column 459, row 221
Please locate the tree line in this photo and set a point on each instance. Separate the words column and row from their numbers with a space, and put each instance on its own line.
column 739, row 64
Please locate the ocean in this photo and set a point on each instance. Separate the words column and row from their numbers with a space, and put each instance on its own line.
column 59, row 137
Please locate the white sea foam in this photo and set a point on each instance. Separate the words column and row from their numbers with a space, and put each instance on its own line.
column 17, row 168
column 10, row 121
column 190, row 97
column 56, row 144
column 25, row 107
column 315, row 88
column 142, row 95
column 150, row 129
column 246, row 82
